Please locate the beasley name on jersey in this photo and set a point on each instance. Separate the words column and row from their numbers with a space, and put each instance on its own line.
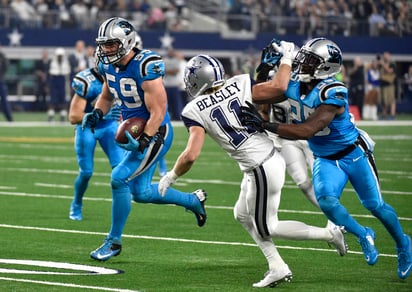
column 125, row 82
column 341, row 132
column 219, row 114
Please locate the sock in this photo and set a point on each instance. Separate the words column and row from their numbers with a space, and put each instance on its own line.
column 121, row 206
column 173, row 196
column 80, row 186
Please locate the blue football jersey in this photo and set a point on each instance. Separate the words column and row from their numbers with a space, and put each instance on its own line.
column 341, row 132
column 87, row 84
column 128, row 92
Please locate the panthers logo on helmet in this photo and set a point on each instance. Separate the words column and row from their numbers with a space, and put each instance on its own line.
column 335, row 55
column 126, row 26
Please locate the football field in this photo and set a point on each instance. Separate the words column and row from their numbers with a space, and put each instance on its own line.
column 163, row 248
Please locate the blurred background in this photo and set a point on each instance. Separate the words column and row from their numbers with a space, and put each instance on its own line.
column 35, row 33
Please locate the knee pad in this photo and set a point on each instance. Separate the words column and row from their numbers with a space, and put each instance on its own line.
column 328, row 203
column 143, row 196
column 239, row 213
column 373, row 205
column 85, row 175
column 119, row 178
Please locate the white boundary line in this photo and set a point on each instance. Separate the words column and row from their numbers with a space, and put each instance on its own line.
column 66, row 285
column 147, row 237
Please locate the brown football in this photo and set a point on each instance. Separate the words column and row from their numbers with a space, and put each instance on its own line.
column 134, row 125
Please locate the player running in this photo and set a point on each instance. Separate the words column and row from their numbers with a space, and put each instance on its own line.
column 215, row 110
column 343, row 153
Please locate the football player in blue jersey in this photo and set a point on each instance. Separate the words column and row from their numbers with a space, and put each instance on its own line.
column 87, row 85
column 342, row 152
column 133, row 80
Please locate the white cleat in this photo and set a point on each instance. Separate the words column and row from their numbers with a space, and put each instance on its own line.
column 274, row 277
column 338, row 240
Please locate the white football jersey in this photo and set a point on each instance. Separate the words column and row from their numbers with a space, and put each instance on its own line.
column 219, row 115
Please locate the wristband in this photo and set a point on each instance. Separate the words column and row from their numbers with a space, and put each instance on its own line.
column 144, row 141
column 271, row 127
column 99, row 112
column 173, row 174
column 286, row 61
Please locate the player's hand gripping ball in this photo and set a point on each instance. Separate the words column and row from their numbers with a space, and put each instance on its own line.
column 134, row 126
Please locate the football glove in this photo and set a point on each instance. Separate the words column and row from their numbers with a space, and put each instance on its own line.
column 166, row 181
column 114, row 114
column 131, row 145
column 269, row 59
column 250, row 117
column 286, row 48
column 91, row 119
column 140, row 145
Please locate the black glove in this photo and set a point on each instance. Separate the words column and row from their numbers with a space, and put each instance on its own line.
column 250, row 117
column 91, row 119
column 144, row 141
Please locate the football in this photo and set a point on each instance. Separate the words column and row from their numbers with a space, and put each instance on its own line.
column 134, row 125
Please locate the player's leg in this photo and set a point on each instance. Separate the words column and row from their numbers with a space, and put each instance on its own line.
column 121, row 206
column 268, row 179
column 296, row 166
column 85, row 144
column 278, row 269
column 365, row 181
column 144, row 191
column 330, row 177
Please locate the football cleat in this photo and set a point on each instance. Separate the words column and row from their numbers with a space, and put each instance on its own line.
column 338, row 240
column 368, row 246
column 201, row 217
column 405, row 259
column 109, row 248
column 273, row 278
column 75, row 211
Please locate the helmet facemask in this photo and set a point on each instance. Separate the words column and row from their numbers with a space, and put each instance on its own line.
column 318, row 59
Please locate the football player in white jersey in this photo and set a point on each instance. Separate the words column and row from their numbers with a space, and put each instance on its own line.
column 215, row 110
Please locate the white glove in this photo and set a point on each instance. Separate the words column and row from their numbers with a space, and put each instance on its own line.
column 166, row 181
column 286, row 48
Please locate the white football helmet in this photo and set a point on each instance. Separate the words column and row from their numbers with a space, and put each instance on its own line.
column 202, row 73
column 115, row 30
column 319, row 58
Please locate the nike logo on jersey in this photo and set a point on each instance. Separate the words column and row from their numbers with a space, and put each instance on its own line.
column 356, row 159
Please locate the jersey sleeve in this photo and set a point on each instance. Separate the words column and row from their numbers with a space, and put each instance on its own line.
column 190, row 116
column 334, row 93
column 80, row 86
column 152, row 65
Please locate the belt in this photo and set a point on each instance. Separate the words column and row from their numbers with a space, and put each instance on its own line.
column 340, row 154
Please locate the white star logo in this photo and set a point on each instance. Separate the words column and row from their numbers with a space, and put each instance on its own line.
column 15, row 38
column 167, row 41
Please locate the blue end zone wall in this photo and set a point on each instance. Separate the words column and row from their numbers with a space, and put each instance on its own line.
column 209, row 41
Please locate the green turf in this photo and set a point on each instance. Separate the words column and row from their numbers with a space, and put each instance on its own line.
column 163, row 249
